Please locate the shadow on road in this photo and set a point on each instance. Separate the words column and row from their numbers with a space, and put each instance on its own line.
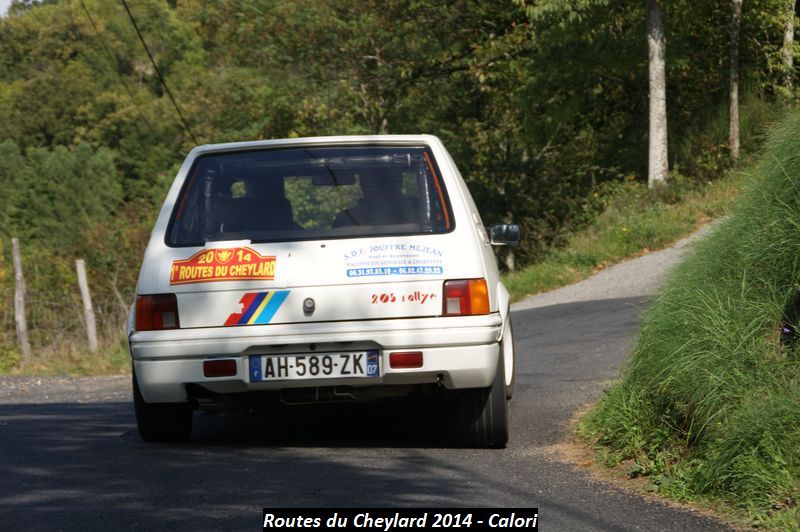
column 69, row 465
column 395, row 424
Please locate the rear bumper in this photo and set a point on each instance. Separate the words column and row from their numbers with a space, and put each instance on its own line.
column 461, row 352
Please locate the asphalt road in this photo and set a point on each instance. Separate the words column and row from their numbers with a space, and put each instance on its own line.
column 77, row 466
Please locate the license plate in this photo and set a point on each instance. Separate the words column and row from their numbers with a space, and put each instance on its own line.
column 316, row 366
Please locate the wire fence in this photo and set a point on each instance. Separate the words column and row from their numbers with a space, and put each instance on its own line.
column 56, row 321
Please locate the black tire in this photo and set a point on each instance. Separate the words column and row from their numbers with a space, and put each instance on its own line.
column 161, row 421
column 481, row 414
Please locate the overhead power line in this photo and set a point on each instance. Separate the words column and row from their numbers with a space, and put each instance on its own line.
column 158, row 72
column 115, row 67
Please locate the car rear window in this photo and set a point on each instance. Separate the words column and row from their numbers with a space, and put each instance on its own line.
column 310, row 194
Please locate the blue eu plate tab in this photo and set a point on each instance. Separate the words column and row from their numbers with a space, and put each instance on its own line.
column 373, row 370
column 256, row 374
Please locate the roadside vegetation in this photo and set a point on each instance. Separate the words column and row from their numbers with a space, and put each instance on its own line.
column 634, row 221
column 624, row 218
column 709, row 405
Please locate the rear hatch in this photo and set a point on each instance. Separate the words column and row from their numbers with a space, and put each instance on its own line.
column 309, row 234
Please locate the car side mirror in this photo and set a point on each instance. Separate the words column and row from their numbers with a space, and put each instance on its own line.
column 504, row 234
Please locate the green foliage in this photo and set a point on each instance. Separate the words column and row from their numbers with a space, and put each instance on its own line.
column 711, row 384
column 564, row 12
column 10, row 358
column 52, row 197
column 318, row 206
column 63, row 193
column 532, row 137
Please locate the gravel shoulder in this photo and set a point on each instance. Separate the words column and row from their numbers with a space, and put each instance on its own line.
column 41, row 390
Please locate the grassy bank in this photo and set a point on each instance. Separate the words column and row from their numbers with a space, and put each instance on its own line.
column 709, row 406
column 71, row 358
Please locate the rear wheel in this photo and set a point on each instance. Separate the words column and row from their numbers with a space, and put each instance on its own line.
column 161, row 421
column 481, row 415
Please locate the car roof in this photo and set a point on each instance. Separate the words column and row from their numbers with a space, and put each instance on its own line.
column 338, row 140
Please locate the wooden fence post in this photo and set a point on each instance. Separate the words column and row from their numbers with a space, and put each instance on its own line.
column 88, row 311
column 19, row 303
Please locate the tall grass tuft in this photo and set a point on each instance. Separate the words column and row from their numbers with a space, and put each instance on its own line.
column 709, row 405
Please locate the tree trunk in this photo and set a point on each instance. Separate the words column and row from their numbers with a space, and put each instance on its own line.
column 733, row 132
column 656, row 47
column 88, row 310
column 510, row 260
column 788, row 46
column 19, row 303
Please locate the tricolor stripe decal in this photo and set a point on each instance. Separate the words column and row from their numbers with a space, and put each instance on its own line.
column 258, row 308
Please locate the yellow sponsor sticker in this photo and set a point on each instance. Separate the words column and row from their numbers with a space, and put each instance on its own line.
column 224, row 264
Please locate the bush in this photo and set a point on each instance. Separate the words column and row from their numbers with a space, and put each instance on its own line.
column 64, row 204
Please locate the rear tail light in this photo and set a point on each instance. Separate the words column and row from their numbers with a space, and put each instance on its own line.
column 157, row 312
column 466, row 297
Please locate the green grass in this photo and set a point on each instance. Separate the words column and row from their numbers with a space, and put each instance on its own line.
column 111, row 358
column 709, row 404
column 634, row 220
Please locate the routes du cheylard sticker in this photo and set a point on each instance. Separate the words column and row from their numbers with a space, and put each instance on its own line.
column 223, row 264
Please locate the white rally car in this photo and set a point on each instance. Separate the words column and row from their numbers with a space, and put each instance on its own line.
column 320, row 269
